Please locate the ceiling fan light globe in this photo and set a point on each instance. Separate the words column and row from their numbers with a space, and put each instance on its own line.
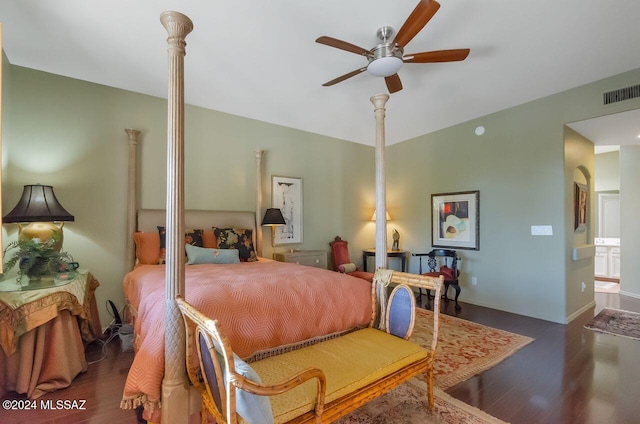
column 385, row 66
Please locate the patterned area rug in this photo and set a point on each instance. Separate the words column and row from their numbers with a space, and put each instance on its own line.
column 464, row 350
column 407, row 403
column 464, row 347
column 616, row 322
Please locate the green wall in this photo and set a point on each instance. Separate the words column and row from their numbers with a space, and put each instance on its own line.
column 629, row 223
column 524, row 178
column 70, row 134
column 608, row 171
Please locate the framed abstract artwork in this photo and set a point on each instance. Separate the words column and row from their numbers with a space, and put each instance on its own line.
column 455, row 220
column 286, row 195
column 580, row 206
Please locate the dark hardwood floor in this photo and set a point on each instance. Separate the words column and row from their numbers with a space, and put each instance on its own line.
column 101, row 387
column 568, row 375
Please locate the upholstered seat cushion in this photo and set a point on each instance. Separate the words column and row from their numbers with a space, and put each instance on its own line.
column 445, row 271
column 349, row 362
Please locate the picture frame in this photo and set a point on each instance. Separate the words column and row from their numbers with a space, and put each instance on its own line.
column 286, row 195
column 455, row 220
column 580, row 202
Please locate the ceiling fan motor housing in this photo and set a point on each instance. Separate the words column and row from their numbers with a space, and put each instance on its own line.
column 385, row 60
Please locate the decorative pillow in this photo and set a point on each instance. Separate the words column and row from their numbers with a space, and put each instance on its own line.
column 147, row 248
column 253, row 408
column 192, row 237
column 237, row 238
column 201, row 255
column 209, row 239
column 346, row 268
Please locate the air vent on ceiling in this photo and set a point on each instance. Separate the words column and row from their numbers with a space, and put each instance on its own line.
column 622, row 94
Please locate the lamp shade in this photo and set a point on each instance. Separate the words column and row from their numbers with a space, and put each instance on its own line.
column 273, row 216
column 373, row 217
column 38, row 204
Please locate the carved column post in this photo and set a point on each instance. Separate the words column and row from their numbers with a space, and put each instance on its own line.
column 132, row 205
column 175, row 394
column 258, row 153
column 379, row 101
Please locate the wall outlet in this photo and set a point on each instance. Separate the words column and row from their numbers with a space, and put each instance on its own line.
column 584, row 286
column 474, row 281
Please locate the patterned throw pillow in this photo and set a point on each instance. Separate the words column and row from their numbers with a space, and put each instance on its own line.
column 192, row 237
column 237, row 238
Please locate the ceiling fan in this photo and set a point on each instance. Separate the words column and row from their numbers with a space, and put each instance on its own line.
column 386, row 59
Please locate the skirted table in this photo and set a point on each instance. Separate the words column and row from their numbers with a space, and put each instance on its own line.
column 43, row 328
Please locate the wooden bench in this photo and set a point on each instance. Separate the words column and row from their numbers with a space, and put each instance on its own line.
column 317, row 383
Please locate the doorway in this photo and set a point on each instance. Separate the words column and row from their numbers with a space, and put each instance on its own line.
column 607, row 238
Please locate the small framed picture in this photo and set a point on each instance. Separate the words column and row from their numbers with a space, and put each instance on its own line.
column 455, row 220
column 286, row 195
column 580, row 206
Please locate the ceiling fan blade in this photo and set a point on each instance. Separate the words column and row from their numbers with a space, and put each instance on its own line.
column 344, row 77
column 422, row 14
column 437, row 56
column 342, row 45
column 393, row 83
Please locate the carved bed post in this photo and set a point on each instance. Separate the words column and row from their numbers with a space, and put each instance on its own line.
column 379, row 101
column 175, row 393
column 131, row 197
column 258, row 153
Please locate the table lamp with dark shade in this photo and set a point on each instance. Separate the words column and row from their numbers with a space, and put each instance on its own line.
column 273, row 218
column 44, row 214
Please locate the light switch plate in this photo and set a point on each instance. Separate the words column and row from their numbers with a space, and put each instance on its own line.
column 541, row 230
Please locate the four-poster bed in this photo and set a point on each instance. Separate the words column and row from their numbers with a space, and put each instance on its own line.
column 335, row 303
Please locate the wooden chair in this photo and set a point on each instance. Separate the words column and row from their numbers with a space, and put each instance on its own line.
column 447, row 267
column 342, row 262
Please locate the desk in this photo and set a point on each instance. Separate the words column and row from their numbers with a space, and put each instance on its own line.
column 42, row 330
column 401, row 254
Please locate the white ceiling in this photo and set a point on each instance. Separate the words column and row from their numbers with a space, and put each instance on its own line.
column 619, row 129
column 258, row 59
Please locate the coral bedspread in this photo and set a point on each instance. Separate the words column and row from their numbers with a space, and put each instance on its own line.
column 261, row 305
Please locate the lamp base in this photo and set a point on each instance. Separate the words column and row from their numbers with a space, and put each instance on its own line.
column 43, row 231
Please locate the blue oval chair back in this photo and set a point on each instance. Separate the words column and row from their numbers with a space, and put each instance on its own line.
column 401, row 312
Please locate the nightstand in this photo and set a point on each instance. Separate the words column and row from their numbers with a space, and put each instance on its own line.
column 48, row 322
column 316, row 258
column 401, row 254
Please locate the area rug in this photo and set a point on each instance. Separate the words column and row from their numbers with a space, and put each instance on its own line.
column 616, row 322
column 464, row 347
column 407, row 403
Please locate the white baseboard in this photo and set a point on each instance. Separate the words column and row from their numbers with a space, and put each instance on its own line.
column 580, row 311
column 626, row 293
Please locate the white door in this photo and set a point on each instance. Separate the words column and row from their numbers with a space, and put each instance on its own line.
column 601, row 261
column 614, row 262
